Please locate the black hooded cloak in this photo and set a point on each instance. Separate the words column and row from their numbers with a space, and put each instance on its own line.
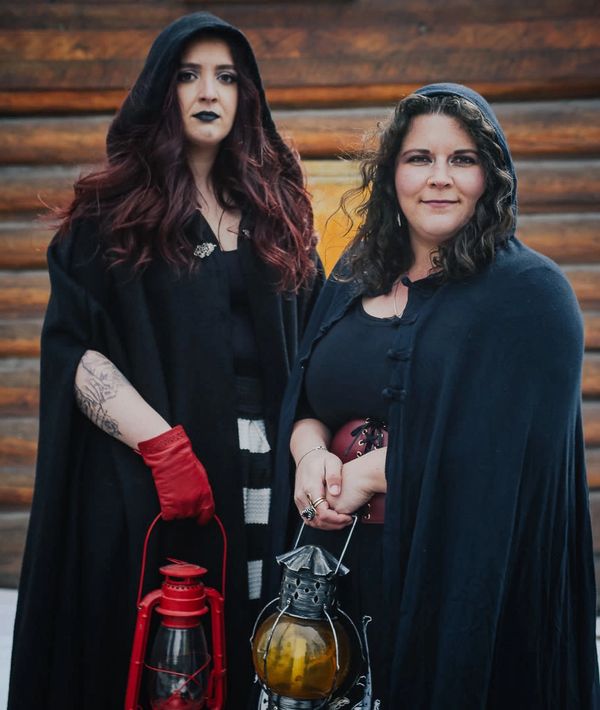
column 486, row 570
column 94, row 498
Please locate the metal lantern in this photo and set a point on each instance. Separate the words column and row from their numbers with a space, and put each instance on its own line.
column 179, row 672
column 308, row 648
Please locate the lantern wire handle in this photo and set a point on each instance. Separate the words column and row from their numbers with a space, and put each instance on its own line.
column 145, row 554
column 346, row 545
column 337, row 569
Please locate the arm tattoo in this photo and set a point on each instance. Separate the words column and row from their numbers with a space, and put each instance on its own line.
column 101, row 383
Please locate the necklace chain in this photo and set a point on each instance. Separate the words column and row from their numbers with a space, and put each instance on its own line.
column 396, row 286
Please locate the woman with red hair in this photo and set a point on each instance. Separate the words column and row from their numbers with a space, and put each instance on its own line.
column 182, row 275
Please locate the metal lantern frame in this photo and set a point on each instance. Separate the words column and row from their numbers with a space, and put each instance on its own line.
column 321, row 592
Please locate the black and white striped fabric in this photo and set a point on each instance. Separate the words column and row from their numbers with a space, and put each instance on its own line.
column 256, row 464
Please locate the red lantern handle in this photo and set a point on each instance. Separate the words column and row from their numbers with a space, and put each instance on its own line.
column 145, row 554
column 216, row 687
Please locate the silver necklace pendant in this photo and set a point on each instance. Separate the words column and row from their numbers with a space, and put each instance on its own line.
column 204, row 249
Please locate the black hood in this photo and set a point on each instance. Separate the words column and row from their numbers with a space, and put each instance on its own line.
column 145, row 100
column 448, row 89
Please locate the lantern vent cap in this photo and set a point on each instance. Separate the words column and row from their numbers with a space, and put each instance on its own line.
column 182, row 570
column 312, row 560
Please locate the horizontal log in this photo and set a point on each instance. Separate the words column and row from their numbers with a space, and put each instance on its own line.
column 23, row 245
column 18, row 441
column 591, row 375
column 122, row 15
column 558, row 185
column 20, row 338
column 591, row 321
column 595, row 516
column 591, row 423
column 592, row 458
column 475, row 67
column 533, row 129
column 23, row 294
column 13, row 529
column 36, row 189
column 19, row 382
column 544, row 185
column 306, row 42
column 328, row 54
column 86, row 101
column 586, row 284
column 563, row 237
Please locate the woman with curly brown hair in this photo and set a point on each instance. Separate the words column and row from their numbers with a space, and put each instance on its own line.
column 451, row 425
column 182, row 275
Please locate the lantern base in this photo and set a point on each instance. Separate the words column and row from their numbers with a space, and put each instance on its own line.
column 279, row 702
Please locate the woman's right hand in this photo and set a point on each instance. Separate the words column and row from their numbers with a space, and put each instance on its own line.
column 319, row 472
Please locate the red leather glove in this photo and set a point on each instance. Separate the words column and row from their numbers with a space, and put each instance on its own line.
column 180, row 479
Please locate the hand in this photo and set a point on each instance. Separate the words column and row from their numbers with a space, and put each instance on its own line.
column 318, row 476
column 180, row 479
column 358, row 486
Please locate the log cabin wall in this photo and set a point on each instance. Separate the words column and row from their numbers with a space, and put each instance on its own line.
column 332, row 70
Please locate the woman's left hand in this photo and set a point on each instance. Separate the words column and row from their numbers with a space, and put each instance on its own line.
column 361, row 479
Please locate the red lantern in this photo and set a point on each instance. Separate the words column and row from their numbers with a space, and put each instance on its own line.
column 179, row 672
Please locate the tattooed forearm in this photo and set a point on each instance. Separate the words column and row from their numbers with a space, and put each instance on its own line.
column 96, row 413
column 99, row 381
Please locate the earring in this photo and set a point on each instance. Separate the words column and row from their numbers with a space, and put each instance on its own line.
column 399, row 219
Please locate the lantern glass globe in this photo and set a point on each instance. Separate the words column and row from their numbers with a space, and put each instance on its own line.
column 301, row 657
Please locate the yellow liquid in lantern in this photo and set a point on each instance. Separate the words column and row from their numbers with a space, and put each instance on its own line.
column 301, row 659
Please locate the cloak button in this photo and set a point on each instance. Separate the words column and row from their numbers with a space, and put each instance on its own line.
column 401, row 355
column 394, row 393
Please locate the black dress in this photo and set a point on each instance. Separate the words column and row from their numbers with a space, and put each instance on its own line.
column 345, row 377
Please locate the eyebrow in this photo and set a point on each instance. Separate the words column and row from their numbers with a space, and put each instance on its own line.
column 191, row 65
column 427, row 151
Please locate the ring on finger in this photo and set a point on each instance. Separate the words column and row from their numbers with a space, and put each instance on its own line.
column 317, row 503
column 309, row 512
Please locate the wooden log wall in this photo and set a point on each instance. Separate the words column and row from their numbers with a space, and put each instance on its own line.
column 332, row 70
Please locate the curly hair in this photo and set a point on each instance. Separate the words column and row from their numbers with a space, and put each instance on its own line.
column 145, row 195
column 381, row 250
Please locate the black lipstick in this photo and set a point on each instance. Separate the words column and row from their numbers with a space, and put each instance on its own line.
column 207, row 116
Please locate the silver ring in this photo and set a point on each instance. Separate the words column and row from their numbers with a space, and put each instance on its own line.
column 309, row 512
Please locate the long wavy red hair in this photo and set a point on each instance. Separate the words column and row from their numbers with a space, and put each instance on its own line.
column 144, row 195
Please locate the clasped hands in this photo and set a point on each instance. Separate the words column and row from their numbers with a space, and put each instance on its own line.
column 344, row 488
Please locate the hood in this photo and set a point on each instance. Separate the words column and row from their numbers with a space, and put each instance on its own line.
column 448, row 89
column 146, row 98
